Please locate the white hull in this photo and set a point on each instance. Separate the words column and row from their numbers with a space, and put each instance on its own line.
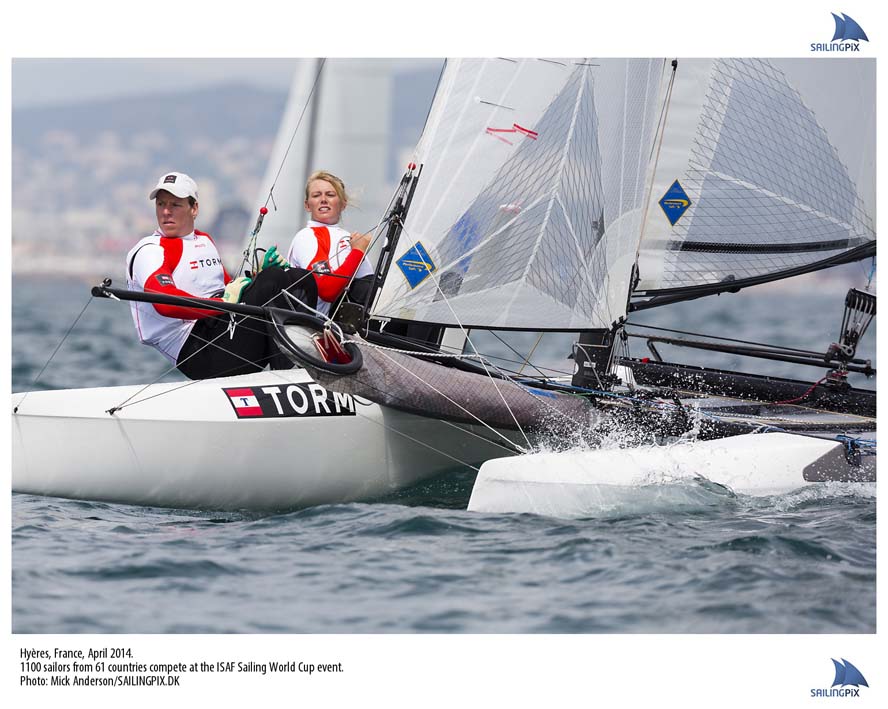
column 654, row 478
column 186, row 447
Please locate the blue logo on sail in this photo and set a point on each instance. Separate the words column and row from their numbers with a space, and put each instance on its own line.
column 416, row 264
column 847, row 675
column 675, row 203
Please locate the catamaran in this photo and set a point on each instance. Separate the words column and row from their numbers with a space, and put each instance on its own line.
column 569, row 194
column 545, row 195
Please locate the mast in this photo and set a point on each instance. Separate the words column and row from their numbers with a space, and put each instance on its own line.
column 355, row 314
column 314, row 114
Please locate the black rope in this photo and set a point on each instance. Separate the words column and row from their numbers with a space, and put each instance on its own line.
column 716, row 337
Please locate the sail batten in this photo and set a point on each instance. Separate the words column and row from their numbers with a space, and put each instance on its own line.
column 772, row 248
column 754, row 149
column 527, row 165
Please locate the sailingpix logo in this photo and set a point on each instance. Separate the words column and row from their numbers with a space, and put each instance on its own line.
column 847, row 682
column 846, row 37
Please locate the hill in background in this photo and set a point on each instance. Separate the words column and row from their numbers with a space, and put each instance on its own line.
column 81, row 173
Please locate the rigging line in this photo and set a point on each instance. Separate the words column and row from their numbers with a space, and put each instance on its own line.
column 483, row 363
column 58, row 347
column 373, row 243
column 387, row 427
column 512, row 448
column 523, row 386
column 437, row 283
column 717, row 337
column 456, row 404
column 468, row 154
column 251, row 245
column 296, row 130
column 242, row 322
column 526, row 360
column 554, row 373
column 509, row 373
column 429, row 446
column 126, row 403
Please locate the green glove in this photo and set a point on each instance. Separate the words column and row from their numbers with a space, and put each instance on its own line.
column 234, row 289
column 273, row 258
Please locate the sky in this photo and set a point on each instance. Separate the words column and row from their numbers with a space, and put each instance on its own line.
column 37, row 82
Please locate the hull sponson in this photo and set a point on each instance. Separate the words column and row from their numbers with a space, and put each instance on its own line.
column 417, row 386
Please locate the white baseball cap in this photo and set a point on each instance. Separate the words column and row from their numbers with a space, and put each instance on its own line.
column 176, row 183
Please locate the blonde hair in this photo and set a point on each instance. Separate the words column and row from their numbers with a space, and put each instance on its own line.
column 338, row 184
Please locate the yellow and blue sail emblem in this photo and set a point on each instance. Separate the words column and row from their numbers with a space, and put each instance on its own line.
column 675, row 203
column 416, row 264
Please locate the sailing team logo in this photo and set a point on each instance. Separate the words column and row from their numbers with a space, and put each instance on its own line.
column 846, row 37
column 416, row 264
column 288, row 400
column 675, row 203
column 848, row 679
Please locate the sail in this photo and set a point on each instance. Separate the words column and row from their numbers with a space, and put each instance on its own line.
column 529, row 206
column 766, row 169
column 339, row 121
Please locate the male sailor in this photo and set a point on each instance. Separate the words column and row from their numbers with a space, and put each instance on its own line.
column 179, row 260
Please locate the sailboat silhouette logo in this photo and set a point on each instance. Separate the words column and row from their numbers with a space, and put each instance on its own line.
column 846, row 38
column 847, row 29
column 848, row 675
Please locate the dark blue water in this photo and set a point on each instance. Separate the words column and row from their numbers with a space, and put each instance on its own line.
column 419, row 562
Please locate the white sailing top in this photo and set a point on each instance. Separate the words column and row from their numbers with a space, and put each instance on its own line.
column 184, row 266
column 326, row 250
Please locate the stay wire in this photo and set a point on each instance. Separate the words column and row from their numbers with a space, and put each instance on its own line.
column 716, row 337
column 58, row 347
column 208, row 343
column 437, row 283
column 251, row 246
column 484, row 362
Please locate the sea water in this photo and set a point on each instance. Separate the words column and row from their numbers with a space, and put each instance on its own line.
column 418, row 562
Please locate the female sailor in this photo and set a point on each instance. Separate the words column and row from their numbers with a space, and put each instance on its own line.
column 335, row 256
column 179, row 260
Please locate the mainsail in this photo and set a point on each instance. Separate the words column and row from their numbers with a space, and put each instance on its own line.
column 530, row 202
column 771, row 174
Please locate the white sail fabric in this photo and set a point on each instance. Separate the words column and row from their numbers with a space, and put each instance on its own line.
column 345, row 129
column 777, row 161
column 531, row 197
